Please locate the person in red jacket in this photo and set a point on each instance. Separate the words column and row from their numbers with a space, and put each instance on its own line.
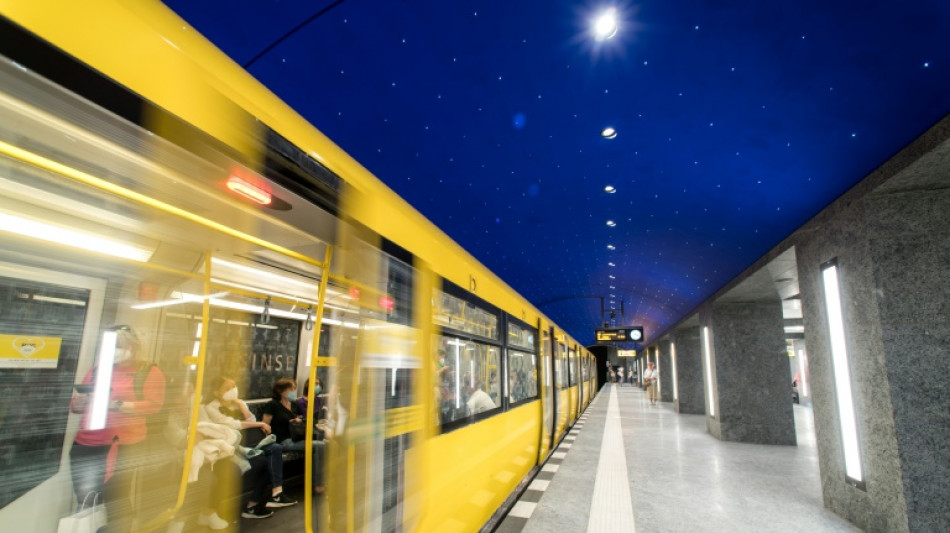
column 106, row 449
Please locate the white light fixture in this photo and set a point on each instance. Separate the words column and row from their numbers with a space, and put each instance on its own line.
column 611, row 223
column 608, row 133
column 794, row 329
column 605, row 26
column 709, row 382
column 610, row 189
column 611, row 247
column 676, row 392
column 103, row 387
column 842, row 370
column 803, row 368
column 72, row 238
column 258, row 274
column 612, row 276
column 611, row 264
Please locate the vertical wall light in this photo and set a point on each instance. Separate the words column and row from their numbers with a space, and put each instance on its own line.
column 676, row 392
column 842, row 369
column 656, row 357
column 709, row 380
column 802, row 372
column 103, row 387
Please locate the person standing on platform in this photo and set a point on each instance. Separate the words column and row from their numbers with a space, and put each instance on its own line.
column 631, row 375
column 650, row 375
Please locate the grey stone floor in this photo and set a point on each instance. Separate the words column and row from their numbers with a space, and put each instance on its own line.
column 681, row 478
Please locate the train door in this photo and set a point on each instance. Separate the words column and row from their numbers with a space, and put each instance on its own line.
column 573, row 389
column 548, row 392
column 562, row 401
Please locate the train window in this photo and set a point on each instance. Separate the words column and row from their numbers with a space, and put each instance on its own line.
column 522, row 376
column 468, row 379
column 460, row 314
column 521, row 336
column 571, row 361
column 584, row 369
column 561, row 366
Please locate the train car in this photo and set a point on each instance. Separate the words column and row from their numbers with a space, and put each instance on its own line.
column 168, row 224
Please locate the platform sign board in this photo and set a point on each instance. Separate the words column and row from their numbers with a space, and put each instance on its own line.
column 630, row 334
column 626, row 353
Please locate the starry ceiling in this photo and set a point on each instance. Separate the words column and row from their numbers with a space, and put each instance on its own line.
column 735, row 123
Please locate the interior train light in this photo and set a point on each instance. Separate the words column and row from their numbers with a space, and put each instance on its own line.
column 387, row 303
column 73, row 238
column 250, row 191
column 709, row 382
column 842, row 371
column 103, row 389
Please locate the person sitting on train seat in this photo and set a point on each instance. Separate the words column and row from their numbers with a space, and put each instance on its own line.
column 104, row 459
column 226, row 408
column 279, row 413
column 478, row 400
column 303, row 401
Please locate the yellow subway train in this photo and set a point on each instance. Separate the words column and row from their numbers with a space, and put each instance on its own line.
column 182, row 256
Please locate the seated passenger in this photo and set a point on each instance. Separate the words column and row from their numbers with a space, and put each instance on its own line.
column 279, row 413
column 478, row 400
column 303, row 401
column 229, row 410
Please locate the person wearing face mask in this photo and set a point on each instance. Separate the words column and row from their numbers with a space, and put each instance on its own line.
column 103, row 459
column 228, row 409
column 279, row 413
column 303, row 401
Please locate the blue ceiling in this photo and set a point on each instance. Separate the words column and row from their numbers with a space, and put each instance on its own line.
column 737, row 122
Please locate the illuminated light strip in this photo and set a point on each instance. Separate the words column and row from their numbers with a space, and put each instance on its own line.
column 676, row 394
column 803, row 365
column 183, row 298
column 264, row 274
column 72, row 238
column 839, row 355
column 103, row 386
column 249, row 191
column 99, row 183
column 709, row 381
column 283, row 295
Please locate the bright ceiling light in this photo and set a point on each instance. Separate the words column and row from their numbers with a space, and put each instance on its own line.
column 612, row 287
column 611, row 247
column 605, row 26
column 610, row 189
column 611, row 264
column 608, row 133
column 70, row 237
column 611, row 223
column 613, row 277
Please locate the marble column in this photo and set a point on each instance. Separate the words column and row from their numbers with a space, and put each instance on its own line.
column 752, row 391
column 892, row 249
column 689, row 371
column 665, row 364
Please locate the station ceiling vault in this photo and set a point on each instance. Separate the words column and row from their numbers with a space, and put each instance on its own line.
column 733, row 123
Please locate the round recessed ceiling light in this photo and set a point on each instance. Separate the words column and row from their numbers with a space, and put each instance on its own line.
column 608, row 133
column 611, row 223
column 610, row 189
column 606, row 25
column 611, row 247
column 613, row 277
column 612, row 287
column 611, row 264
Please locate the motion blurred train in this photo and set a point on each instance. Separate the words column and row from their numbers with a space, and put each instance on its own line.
column 148, row 181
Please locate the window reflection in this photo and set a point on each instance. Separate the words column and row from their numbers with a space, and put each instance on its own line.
column 522, row 376
column 467, row 378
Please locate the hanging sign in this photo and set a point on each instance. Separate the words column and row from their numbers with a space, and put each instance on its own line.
column 619, row 334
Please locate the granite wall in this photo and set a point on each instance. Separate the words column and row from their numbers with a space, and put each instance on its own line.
column 893, row 252
column 689, row 371
column 751, row 382
column 666, row 370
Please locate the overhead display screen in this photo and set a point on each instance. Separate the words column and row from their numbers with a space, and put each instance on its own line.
column 634, row 333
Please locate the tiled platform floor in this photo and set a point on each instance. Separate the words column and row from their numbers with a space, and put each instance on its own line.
column 678, row 477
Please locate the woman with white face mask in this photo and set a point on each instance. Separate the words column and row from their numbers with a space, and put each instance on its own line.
column 103, row 456
column 228, row 409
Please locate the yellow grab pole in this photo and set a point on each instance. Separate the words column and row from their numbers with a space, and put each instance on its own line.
column 195, row 405
column 308, row 449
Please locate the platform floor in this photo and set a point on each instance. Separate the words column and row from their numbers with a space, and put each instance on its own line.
column 629, row 466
